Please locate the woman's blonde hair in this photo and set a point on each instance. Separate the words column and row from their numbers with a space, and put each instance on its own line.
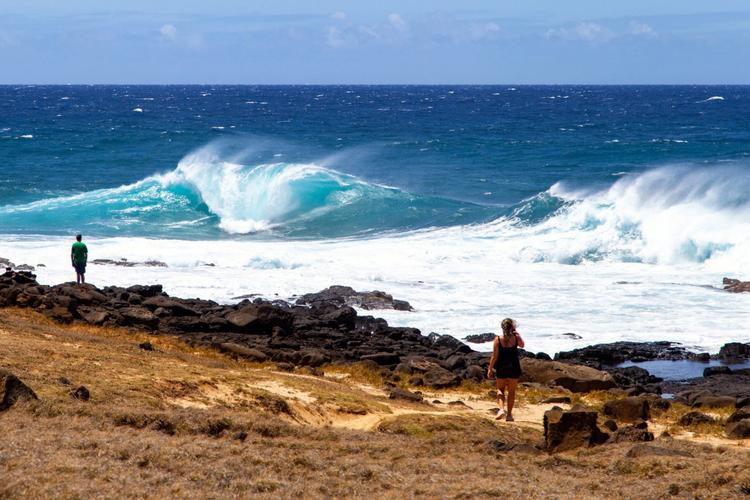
column 509, row 327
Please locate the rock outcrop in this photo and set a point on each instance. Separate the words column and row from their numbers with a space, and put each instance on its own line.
column 566, row 430
column 609, row 355
column 629, row 409
column 575, row 378
column 12, row 390
column 347, row 296
column 736, row 286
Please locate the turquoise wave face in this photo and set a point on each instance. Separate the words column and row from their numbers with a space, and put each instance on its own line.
column 206, row 196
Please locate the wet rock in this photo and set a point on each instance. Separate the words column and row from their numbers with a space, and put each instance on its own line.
column 344, row 295
column 480, row 338
column 12, row 390
column 613, row 354
column 634, row 376
column 735, row 285
column 566, row 430
column 575, row 378
column 127, row 263
column 628, row 409
column 716, row 370
column 145, row 290
column 734, row 351
column 448, row 342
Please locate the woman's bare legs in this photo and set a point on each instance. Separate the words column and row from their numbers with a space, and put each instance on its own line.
column 512, row 384
column 501, row 385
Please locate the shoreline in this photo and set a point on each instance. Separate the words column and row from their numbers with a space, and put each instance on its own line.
column 449, row 298
column 324, row 328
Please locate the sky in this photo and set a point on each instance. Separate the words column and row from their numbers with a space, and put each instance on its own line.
column 375, row 42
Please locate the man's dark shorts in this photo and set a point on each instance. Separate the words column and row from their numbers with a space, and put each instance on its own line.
column 80, row 268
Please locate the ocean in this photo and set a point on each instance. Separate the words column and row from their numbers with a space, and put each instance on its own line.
column 610, row 212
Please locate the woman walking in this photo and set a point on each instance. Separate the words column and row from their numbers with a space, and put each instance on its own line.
column 505, row 366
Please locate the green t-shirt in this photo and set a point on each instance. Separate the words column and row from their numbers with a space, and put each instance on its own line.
column 80, row 252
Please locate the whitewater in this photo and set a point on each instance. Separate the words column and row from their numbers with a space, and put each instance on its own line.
column 608, row 212
column 641, row 259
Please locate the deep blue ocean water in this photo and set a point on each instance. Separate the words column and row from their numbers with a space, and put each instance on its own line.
column 330, row 161
column 612, row 212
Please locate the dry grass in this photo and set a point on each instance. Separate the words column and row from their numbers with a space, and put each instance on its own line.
column 191, row 422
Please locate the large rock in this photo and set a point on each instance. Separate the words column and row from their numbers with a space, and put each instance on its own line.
column 244, row 352
column 736, row 286
column 575, row 378
column 695, row 418
column 632, row 434
column 259, row 319
column 734, row 351
column 347, row 296
column 740, row 414
column 139, row 316
column 12, row 390
column 441, row 378
column 480, row 338
column 710, row 401
column 739, row 430
column 170, row 305
column 628, row 409
column 566, row 430
column 618, row 352
column 382, row 358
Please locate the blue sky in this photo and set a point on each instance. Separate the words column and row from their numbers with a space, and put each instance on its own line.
column 383, row 41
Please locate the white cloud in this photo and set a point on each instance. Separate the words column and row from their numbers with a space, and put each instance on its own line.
column 641, row 29
column 339, row 16
column 483, row 31
column 336, row 38
column 586, row 31
column 168, row 32
column 397, row 22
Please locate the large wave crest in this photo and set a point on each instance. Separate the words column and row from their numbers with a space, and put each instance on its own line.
column 668, row 215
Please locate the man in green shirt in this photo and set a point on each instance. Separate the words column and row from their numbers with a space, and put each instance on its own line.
column 79, row 254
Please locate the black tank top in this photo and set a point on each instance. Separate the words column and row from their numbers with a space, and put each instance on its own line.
column 508, row 363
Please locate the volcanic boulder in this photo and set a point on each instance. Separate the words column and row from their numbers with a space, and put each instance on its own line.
column 566, row 430
column 575, row 378
column 12, row 390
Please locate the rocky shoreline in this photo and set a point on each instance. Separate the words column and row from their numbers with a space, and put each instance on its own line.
column 324, row 328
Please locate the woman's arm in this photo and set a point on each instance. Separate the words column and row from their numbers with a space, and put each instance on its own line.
column 491, row 368
column 519, row 341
